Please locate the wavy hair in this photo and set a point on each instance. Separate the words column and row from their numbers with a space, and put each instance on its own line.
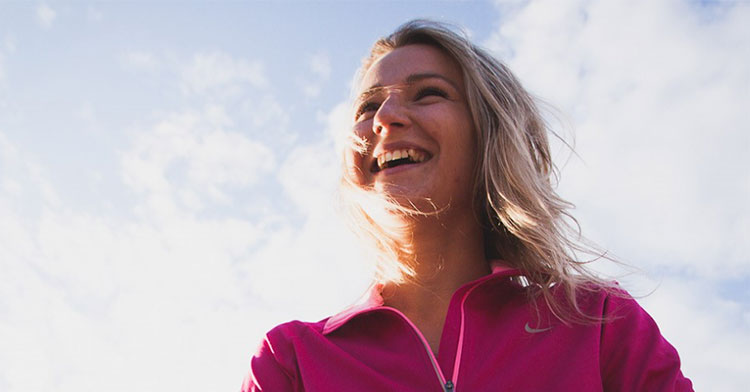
column 524, row 221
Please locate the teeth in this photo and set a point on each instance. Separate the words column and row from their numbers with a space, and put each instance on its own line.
column 413, row 155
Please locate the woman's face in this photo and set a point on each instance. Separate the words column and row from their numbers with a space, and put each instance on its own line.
column 413, row 113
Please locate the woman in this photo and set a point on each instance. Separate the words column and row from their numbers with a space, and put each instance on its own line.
column 448, row 178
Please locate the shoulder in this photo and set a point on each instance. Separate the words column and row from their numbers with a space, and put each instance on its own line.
column 295, row 329
column 633, row 354
column 614, row 306
column 604, row 301
column 585, row 302
column 619, row 313
column 274, row 363
column 281, row 341
column 633, row 351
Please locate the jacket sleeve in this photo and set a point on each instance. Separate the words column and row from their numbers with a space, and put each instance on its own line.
column 266, row 370
column 634, row 354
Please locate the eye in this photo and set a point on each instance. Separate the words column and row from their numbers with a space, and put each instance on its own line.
column 365, row 108
column 430, row 92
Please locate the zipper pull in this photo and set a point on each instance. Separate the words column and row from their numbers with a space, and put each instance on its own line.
column 448, row 387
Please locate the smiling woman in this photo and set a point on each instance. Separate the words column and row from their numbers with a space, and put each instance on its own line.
column 448, row 176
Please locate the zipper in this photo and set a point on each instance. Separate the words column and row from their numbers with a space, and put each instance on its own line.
column 430, row 354
column 449, row 385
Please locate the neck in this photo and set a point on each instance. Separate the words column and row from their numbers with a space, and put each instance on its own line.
column 449, row 252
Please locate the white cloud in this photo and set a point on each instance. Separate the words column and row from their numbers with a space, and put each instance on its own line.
column 339, row 123
column 269, row 119
column 175, row 288
column 319, row 257
column 24, row 179
column 45, row 15
column 142, row 297
column 709, row 331
column 298, row 251
column 309, row 176
column 212, row 76
column 657, row 95
column 86, row 299
column 208, row 72
column 190, row 159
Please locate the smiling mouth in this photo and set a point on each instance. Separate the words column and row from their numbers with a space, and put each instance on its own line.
column 398, row 158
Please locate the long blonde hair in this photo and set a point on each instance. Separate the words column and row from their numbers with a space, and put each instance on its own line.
column 524, row 221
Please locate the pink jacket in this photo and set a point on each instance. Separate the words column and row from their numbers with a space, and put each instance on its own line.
column 493, row 340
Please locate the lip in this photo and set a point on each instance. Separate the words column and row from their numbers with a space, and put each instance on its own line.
column 395, row 146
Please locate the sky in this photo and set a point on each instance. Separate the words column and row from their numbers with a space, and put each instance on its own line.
column 168, row 173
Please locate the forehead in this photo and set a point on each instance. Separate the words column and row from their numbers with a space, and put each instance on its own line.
column 396, row 66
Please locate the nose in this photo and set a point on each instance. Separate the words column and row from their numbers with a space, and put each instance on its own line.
column 391, row 115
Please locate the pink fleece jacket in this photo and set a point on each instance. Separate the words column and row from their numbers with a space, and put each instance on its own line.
column 493, row 340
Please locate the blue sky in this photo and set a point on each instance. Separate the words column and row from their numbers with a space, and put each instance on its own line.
column 168, row 173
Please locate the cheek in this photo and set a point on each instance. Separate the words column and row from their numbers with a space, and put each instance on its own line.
column 356, row 152
column 464, row 152
column 468, row 136
column 354, row 167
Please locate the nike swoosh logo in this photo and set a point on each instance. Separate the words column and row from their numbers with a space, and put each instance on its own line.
column 535, row 330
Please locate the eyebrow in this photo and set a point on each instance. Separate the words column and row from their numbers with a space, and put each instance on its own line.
column 413, row 78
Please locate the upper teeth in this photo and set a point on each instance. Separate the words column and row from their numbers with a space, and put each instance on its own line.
column 415, row 156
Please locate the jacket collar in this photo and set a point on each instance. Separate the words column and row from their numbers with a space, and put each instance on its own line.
column 373, row 299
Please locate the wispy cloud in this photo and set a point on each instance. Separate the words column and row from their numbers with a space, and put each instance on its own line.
column 139, row 61
column 269, row 118
column 7, row 48
column 191, row 158
column 9, row 42
column 204, row 76
column 45, row 15
column 320, row 67
column 2, row 67
column 710, row 331
column 94, row 14
column 77, row 288
column 658, row 101
column 317, row 241
column 207, row 72
column 339, row 123
column 86, row 113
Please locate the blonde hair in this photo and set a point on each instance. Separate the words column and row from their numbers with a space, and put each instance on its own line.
column 524, row 221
